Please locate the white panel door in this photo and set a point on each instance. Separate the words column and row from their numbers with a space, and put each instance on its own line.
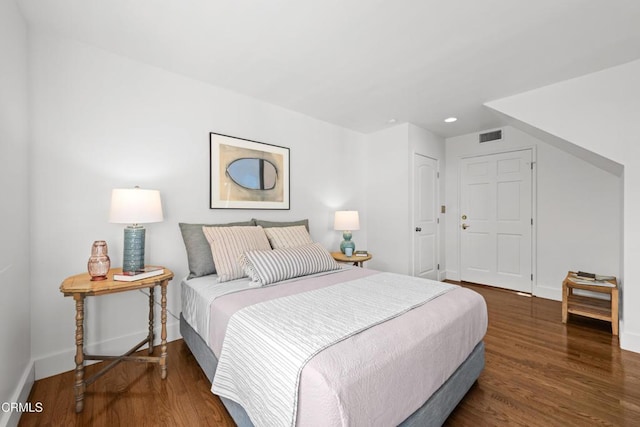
column 425, row 217
column 496, row 220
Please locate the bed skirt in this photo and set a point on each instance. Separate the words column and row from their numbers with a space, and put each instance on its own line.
column 434, row 412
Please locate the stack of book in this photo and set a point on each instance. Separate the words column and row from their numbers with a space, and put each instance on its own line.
column 584, row 278
column 145, row 273
column 593, row 277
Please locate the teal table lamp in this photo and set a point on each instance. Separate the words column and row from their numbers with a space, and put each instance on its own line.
column 347, row 221
column 134, row 206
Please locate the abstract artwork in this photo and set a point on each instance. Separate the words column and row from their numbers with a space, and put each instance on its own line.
column 246, row 174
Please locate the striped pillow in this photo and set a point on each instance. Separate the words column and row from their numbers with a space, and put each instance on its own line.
column 267, row 267
column 227, row 243
column 288, row 237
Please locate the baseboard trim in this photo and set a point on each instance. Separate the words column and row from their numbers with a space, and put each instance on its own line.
column 57, row 363
column 20, row 395
column 629, row 341
column 548, row 293
column 452, row 275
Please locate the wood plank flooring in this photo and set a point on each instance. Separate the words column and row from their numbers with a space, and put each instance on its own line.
column 539, row 372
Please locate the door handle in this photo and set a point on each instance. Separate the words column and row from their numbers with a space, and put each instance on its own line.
column 465, row 226
column 418, row 229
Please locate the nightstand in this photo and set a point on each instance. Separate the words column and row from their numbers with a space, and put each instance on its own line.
column 81, row 286
column 356, row 260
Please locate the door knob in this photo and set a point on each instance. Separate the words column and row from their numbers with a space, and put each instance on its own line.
column 465, row 226
column 418, row 229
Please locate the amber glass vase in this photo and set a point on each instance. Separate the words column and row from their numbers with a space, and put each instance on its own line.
column 99, row 262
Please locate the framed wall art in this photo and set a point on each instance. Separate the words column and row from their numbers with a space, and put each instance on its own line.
column 247, row 174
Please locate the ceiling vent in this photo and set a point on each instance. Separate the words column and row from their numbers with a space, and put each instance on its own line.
column 494, row 135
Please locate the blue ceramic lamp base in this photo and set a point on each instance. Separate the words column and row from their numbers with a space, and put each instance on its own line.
column 133, row 250
column 347, row 243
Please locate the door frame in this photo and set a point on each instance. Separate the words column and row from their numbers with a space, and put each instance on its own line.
column 412, row 216
column 534, row 207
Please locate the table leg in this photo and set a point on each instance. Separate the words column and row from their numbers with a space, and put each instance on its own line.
column 79, row 376
column 565, row 302
column 163, row 334
column 614, row 312
column 151, row 301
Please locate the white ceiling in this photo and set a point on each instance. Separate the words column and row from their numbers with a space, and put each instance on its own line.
column 359, row 63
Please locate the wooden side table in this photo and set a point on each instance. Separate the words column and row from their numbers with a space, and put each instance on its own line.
column 356, row 260
column 81, row 286
column 594, row 308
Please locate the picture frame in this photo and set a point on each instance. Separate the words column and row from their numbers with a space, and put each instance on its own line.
column 246, row 174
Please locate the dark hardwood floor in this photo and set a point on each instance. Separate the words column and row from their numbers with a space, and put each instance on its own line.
column 539, row 372
column 542, row 372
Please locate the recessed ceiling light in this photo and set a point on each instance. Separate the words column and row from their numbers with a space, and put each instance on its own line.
column 391, row 121
column 450, row 119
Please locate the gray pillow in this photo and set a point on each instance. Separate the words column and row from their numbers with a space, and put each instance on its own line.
column 198, row 250
column 271, row 224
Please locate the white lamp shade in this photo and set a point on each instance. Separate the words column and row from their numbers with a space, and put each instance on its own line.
column 346, row 220
column 135, row 206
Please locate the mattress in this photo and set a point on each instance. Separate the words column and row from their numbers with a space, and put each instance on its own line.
column 378, row 377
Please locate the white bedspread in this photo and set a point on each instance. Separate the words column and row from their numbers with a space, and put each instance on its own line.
column 198, row 295
column 382, row 375
column 266, row 345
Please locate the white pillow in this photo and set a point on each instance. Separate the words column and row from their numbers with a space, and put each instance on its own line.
column 267, row 267
column 228, row 243
column 288, row 237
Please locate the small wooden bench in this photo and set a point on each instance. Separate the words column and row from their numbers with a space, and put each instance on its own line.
column 587, row 306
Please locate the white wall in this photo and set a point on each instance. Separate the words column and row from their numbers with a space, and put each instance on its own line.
column 15, row 350
column 389, row 193
column 577, row 216
column 598, row 112
column 387, row 198
column 101, row 121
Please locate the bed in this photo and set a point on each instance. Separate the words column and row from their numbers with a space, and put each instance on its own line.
column 410, row 367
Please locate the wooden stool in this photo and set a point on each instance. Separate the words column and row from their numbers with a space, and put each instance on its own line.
column 595, row 308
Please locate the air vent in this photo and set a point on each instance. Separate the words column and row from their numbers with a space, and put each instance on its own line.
column 494, row 135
